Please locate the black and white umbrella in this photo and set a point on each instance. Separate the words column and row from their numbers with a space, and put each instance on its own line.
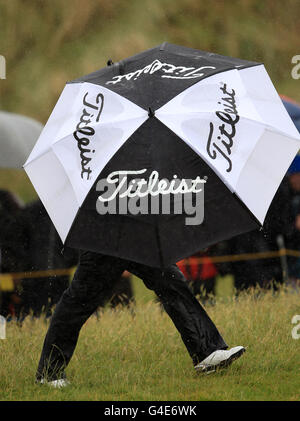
column 168, row 123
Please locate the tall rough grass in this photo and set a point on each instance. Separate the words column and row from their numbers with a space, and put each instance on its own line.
column 121, row 357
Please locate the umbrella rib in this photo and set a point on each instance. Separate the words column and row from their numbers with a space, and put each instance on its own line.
column 159, row 247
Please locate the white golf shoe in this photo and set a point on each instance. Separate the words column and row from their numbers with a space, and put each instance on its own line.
column 219, row 359
column 59, row 383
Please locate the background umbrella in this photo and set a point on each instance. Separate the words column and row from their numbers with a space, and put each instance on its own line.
column 18, row 135
column 180, row 112
column 293, row 108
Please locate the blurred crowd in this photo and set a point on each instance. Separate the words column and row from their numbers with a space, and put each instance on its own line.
column 29, row 244
column 258, row 267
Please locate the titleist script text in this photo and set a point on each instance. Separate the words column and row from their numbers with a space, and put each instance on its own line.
column 227, row 130
column 84, row 131
column 139, row 196
column 167, row 70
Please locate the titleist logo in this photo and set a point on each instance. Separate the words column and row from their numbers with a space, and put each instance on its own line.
column 154, row 186
column 84, row 128
column 167, row 70
column 229, row 116
column 123, row 195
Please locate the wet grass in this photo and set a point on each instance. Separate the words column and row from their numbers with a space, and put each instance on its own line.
column 124, row 358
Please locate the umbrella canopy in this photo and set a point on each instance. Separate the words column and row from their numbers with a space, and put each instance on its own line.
column 169, row 123
column 18, row 135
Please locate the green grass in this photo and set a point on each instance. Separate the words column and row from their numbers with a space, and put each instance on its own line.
column 120, row 357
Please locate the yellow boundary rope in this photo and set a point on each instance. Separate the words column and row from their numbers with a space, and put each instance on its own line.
column 8, row 278
column 246, row 256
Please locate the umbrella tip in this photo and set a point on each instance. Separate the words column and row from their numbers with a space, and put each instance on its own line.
column 110, row 62
column 151, row 113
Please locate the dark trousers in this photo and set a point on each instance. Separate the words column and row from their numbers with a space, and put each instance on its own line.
column 91, row 288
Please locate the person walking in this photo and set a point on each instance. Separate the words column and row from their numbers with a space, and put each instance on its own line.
column 91, row 287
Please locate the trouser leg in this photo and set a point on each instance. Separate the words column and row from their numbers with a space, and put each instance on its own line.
column 198, row 332
column 89, row 289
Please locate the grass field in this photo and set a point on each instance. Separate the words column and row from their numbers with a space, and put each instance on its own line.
column 124, row 358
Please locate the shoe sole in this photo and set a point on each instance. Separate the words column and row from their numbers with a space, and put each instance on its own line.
column 222, row 364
